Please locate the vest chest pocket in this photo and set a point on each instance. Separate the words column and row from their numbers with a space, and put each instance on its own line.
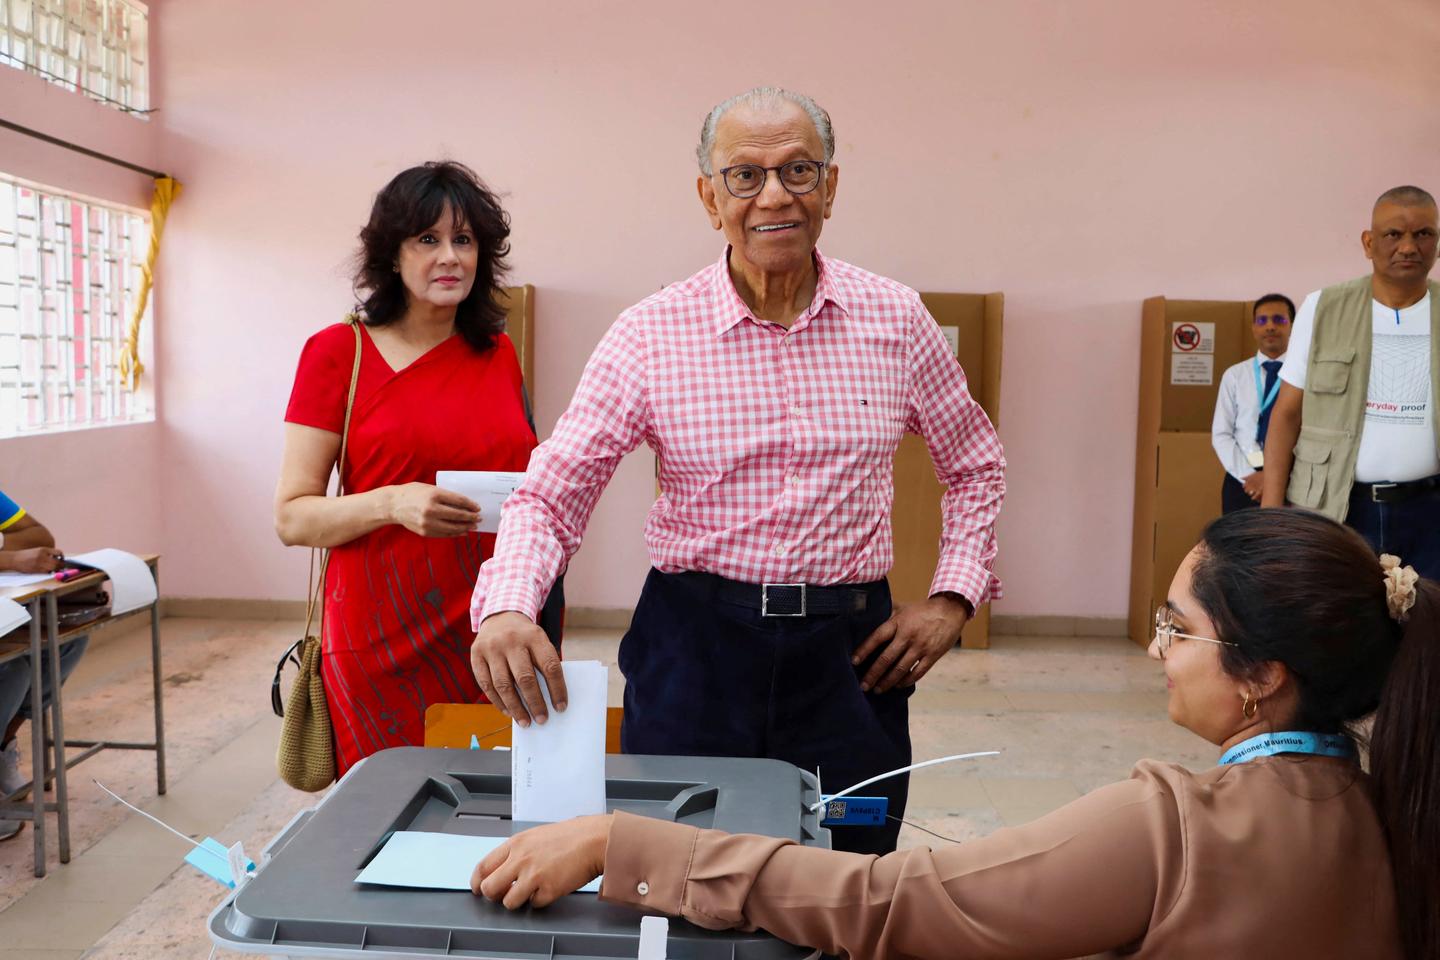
column 1330, row 370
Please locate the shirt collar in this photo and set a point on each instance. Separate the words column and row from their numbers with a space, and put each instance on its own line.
column 1261, row 358
column 730, row 309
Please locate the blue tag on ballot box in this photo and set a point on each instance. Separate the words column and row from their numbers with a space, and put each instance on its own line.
column 855, row 812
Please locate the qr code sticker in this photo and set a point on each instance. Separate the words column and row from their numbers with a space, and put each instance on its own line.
column 835, row 810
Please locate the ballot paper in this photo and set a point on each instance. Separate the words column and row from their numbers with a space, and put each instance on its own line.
column 489, row 488
column 12, row 615
column 557, row 768
column 434, row 861
column 11, row 578
column 132, row 585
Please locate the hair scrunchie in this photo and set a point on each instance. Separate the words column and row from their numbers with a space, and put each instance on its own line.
column 1399, row 586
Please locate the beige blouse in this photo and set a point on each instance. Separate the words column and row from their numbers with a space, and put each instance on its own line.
column 1278, row 857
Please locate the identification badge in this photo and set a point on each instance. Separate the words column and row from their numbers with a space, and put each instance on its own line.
column 1256, row 459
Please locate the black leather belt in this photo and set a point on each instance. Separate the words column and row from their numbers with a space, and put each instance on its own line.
column 1397, row 492
column 787, row 599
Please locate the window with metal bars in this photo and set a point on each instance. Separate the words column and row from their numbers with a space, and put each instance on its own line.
column 69, row 276
column 96, row 47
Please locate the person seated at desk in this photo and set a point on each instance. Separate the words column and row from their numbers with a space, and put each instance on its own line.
column 26, row 546
column 1280, row 633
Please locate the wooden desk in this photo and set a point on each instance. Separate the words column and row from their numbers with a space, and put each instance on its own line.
column 47, row 643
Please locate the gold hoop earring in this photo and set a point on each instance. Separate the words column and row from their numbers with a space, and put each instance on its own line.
column 1250, row 707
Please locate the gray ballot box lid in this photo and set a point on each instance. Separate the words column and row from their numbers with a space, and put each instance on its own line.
column 303, row 900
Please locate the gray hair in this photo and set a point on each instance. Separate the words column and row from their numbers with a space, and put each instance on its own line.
column 760, row 97
column 1406, row 196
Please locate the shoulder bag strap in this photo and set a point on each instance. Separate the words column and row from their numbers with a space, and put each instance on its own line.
column 317, row 588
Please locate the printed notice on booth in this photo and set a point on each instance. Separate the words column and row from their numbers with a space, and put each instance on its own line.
column 1192, row 370
column 1192, row 354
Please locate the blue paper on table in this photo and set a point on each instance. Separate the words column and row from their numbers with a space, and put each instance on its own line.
column 213, row 859
column 434, row 861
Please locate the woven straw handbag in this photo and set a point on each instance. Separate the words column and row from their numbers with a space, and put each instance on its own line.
column 306, row 754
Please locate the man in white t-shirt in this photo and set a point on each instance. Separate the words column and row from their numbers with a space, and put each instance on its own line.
column 1242, row 407
column 1386, row 483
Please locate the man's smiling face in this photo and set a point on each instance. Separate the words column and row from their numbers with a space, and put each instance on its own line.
column 773, row 232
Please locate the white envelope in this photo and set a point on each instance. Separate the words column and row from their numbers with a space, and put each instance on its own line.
column 557, row 768
column 489, row 488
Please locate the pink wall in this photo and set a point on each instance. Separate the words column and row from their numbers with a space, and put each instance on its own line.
column 101, row 487
column 1079, row 156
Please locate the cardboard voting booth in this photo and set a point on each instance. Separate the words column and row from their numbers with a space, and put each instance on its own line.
column 519, row 304
column 1185, row 347
column 974, row 325
column 304, row 899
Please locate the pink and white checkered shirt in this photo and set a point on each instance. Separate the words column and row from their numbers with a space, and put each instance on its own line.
column 776, row 446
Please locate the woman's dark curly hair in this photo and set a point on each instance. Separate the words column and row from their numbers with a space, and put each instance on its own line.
column 410, row 204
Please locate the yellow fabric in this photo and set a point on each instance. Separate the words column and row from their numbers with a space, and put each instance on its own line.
column 166, row 190
column 7, row 524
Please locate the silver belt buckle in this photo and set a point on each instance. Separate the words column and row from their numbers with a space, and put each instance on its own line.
column 1374, row 487
column 765, row 600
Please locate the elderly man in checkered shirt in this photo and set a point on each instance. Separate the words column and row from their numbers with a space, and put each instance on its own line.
column 774, row 386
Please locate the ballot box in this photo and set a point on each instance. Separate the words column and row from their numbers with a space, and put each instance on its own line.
column 304, row 901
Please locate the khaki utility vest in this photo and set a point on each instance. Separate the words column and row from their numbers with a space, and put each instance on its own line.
column 1337, row 382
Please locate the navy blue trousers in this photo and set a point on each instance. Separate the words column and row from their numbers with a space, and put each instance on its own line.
column 1233, row 496
column 1410, row 530
column 709, row 678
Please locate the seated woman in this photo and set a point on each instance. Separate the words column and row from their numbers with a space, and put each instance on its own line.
column 1281, row 631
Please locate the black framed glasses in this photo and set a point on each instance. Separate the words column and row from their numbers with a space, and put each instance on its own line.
column 798, row 177
column 1166, row 634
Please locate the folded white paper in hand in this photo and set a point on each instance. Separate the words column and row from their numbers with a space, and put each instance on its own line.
column 557, row 768
column 132, row 585
column 489, row 488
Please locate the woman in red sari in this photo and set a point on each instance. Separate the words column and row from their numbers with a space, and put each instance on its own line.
column 439, row 389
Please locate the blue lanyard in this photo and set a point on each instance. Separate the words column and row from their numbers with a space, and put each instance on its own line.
column 1259, row 386
column 1289, row 741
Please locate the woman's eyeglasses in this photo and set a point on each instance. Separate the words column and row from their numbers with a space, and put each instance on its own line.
column 1165, row 633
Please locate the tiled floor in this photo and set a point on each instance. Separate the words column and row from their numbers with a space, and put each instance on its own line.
column 1068, row 714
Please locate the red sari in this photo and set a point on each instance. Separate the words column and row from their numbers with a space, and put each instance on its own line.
column 397, row 629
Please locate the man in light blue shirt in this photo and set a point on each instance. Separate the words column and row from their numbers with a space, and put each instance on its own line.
column 1243, row 405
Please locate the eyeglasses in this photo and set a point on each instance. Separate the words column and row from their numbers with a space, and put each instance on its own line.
column 1165, row 633
column 1278, row 320
column 746, row 180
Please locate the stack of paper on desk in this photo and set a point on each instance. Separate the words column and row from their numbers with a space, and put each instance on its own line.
column 132, row 585
column 11, row 578
column 557, row 769
column 12, row 615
